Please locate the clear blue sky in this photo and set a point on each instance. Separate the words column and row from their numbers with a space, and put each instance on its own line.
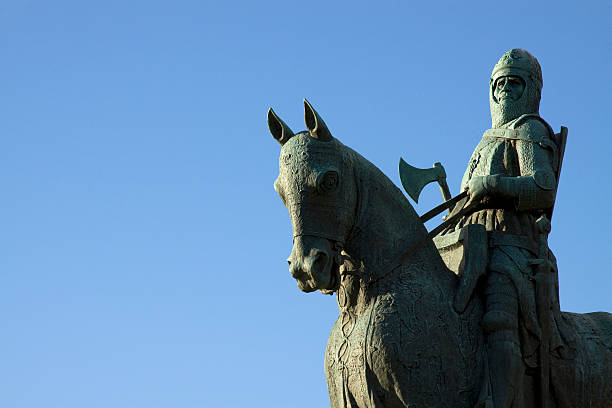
column 142, row 247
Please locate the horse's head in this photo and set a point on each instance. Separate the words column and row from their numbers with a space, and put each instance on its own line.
column 318, row 187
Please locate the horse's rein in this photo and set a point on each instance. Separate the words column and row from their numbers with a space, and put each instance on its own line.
column 405, row 256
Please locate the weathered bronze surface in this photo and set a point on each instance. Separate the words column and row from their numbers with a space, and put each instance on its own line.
column 470, row 318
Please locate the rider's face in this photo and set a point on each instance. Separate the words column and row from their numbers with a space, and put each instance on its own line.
column 508, row 88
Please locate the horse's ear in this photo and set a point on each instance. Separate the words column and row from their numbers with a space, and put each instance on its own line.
column 314, row 123
column 278, row 128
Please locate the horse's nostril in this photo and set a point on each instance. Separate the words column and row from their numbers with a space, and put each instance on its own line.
column 297, row 273
column 320, row 259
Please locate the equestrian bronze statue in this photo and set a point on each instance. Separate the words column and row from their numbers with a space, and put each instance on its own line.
column 466, row 315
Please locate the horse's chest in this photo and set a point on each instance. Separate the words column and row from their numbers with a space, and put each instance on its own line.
column 345, row 362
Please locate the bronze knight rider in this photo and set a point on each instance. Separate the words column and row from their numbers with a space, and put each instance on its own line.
column 511, row 181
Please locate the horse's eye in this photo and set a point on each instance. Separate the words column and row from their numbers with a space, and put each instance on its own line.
column 328, row 181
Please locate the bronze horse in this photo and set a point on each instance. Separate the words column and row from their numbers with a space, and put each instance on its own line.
column 398, row 341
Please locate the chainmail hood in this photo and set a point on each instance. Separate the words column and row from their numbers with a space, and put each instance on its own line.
column 520, row 63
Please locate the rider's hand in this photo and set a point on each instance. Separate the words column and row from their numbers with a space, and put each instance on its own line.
column 482, row 187
column 479, row 187
column 476, row 189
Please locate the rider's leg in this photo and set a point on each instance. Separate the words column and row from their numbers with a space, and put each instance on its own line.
column 500, row 324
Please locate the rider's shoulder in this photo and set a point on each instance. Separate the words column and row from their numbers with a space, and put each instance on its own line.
column 533, row 127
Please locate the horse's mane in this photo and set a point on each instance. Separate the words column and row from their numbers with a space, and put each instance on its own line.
column 392, row 223
column 367, row 170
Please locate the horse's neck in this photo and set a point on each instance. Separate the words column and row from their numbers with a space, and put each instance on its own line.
column 386, row 224
column 386, row 228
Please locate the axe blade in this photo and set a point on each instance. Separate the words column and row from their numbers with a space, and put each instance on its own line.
column 414, row 179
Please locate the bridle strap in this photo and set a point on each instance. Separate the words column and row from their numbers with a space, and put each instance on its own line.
column 405, row 256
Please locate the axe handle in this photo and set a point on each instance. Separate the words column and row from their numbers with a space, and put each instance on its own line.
column 453, row 219
column 430, row 235
column 447, row 204
column 446, row 195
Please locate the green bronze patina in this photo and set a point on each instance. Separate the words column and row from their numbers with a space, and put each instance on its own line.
column 470, row 318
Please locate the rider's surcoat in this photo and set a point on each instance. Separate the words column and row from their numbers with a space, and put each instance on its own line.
column 524, row 153
column 522, row 157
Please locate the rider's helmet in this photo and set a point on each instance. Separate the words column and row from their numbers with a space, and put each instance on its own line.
column 516, row 62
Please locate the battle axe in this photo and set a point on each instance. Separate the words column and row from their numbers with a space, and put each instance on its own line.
column 414, row 180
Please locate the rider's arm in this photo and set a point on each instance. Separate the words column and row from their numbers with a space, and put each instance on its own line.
column 535, row 188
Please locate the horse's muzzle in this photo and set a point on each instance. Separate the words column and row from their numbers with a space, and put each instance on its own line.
column 311, row 263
